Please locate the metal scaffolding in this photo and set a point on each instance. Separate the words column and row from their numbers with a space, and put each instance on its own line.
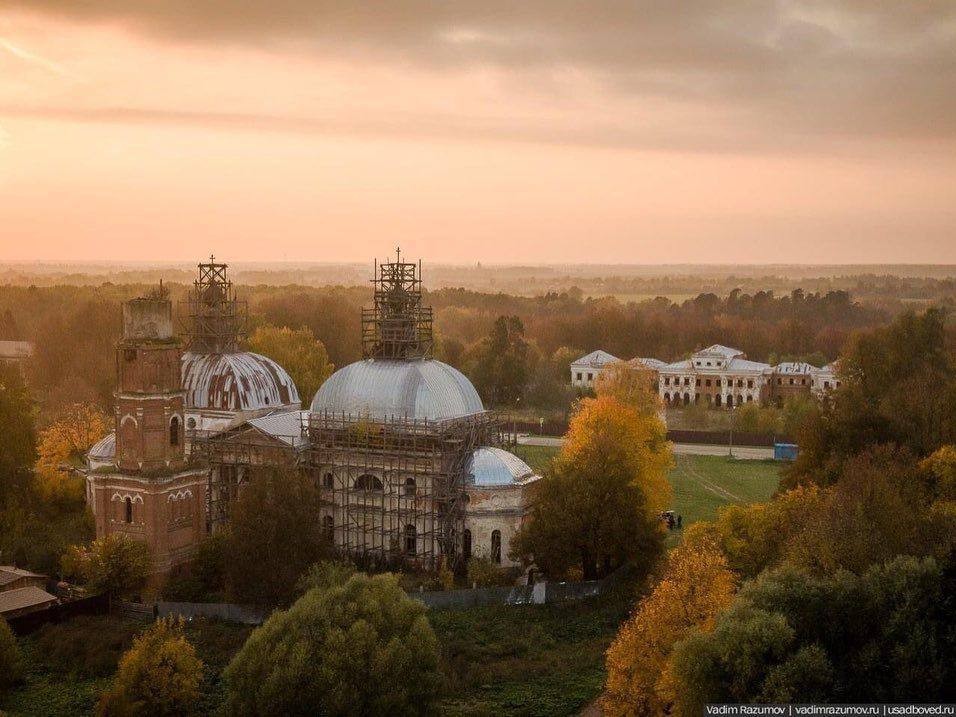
column 214, row 319
column 397, row 326
column 393, row 488
column 396, row 487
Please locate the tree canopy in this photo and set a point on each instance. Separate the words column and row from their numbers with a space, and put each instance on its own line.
column 883, row 636
column 273, row 537
column 356, row 648
column 112, row 564
column 898, row 386
column 298, row 352
column 159, row 675
column 597, row 505
column 695, row 587
column 11, row 659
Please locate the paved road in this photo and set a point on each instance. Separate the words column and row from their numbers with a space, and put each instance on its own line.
column 695, row 449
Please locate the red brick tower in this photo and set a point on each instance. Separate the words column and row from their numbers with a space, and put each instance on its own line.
column 149, row 396
column 150, row 493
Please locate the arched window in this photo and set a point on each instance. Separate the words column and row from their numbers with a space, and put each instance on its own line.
column 368, row 482
column 686, row 398
column 328, row 528
column 466, row 544
column 410, row 487
column 129, row 509
column 328, row 481
column 174, row 431
column 411, row 543
column 496, row 546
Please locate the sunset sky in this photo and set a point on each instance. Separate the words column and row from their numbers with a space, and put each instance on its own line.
column 540, row 131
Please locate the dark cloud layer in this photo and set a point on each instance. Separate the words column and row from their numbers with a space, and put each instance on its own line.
column 863, row 67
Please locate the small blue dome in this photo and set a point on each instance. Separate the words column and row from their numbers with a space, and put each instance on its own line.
column 495, row 467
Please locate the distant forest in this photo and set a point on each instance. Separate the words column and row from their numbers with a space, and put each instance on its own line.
column 74, row 326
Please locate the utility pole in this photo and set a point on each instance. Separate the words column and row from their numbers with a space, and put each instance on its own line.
column 733, row 420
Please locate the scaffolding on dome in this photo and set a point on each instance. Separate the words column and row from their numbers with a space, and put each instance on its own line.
column 214, row 318
column 393, row 488
column 397, row 326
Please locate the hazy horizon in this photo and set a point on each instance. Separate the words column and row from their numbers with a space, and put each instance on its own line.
column 818, row 132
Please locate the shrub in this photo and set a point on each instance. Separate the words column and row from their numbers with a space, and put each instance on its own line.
column 159, row 675
column 482, row 572
column 85, row 646
column 11, row 661
column 112, row 564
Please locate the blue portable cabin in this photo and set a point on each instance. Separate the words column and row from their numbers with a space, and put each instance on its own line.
column 785, row 451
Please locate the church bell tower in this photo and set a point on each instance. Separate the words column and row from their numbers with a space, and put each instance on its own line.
column 149, row 396
column 150, row 492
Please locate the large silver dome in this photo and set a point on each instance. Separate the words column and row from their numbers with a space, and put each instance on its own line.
column 414, row 389
column 240, row 381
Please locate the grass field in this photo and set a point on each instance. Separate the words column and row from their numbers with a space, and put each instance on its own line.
column 701, row 484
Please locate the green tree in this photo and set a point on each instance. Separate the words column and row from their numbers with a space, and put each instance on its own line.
column 18, row 439
column 501, row 364
column 273, row 537
column 598, row 504
column 112, row 564
column 11, row 661
column 359, row 648
column 884, row 636
column 325, row 574
column 159, row 675
column 898, row 386
column 298, row 352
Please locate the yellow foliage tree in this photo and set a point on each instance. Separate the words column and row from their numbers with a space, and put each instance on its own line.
column 757, row 536
column 298, row 352
column 159, row 675
column 606, row 426
column 632, row 385
column 597, row 506
column 64, row 444
column 697, row 585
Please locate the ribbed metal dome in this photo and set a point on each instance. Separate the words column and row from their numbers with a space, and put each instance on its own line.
column 103, row 451
column 411, row 389
column 493, row 466
column 240, row 381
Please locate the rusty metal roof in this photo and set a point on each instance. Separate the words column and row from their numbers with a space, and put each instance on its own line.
column 412, row 389
column 238, row 381
column 489, row 466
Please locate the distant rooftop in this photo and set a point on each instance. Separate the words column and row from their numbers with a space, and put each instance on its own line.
column 15, row 350
column 719, row 350
column 596, row 359
column 13, row 600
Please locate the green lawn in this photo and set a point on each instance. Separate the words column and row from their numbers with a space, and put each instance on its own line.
column 528, row 660
column 702, row 484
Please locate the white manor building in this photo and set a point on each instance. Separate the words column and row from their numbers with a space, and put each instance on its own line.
column 719, row 376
